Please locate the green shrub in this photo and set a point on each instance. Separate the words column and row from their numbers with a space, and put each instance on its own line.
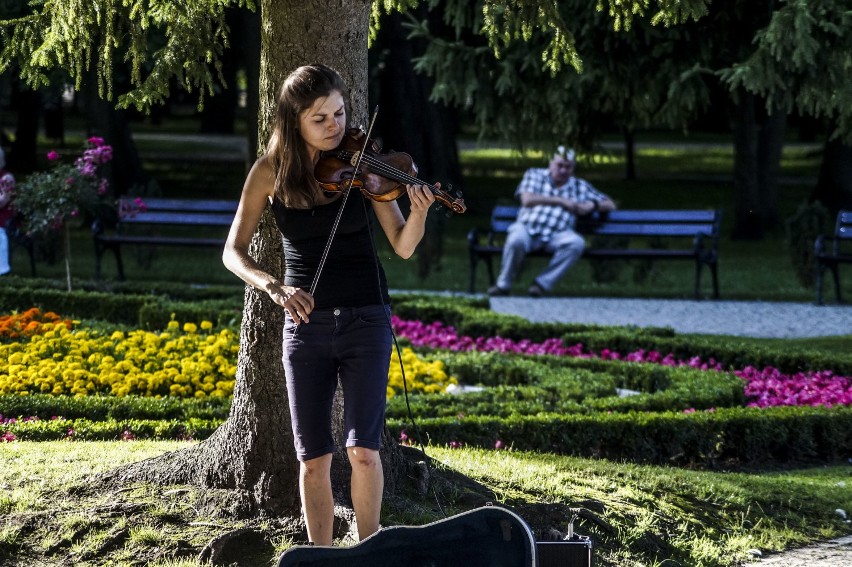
column 111, row 429
column 148, row 311
column 529, row 385
column 98, row 408
column 120, row 309
column 725, row 437
column 809, row 221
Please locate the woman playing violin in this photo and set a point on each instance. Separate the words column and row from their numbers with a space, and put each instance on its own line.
column 341, row 330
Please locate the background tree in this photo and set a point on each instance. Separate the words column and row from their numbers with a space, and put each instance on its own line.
column 636, row 74
column 408, row 121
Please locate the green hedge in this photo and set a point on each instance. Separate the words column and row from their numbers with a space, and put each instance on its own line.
column 522, row 385
column 166, row 290
column 110, row 429
column 97, row 408
column 146, row 311
column 730, row 436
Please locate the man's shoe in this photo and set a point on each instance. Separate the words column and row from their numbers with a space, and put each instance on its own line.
column 535, row 290
column 495, row 291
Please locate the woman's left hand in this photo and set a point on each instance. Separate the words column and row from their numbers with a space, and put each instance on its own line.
column 421, row 197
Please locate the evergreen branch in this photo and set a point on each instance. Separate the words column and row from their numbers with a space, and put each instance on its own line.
column 158, row 39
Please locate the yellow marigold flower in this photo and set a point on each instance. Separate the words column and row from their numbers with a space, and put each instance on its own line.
column 206, row 325
column 190, row 327
column 173, row 325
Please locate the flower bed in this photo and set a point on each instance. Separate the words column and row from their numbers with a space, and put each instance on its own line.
column 763, row 387
column 29, row 323
column 47, row 356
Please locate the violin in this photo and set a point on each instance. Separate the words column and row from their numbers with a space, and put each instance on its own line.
column 335, row 171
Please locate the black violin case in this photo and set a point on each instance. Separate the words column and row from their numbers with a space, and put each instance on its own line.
column 490, row 536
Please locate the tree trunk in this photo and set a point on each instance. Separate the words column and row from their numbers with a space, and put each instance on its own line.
column 27, row 103
column 124, row 171
column 249, row 26
column 747, row 203
column 769, row 149
column 834, row 185
column 630, row 154
column 408, row 121
column 252, row 452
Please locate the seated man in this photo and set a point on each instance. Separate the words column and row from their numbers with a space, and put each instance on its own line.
column 551, row 199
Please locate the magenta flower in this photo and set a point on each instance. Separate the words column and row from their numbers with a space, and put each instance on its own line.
column 763, row 388
column 8, row 437
column 96, row 141
column 455, row 445
column 499, row 444
column 52, row 155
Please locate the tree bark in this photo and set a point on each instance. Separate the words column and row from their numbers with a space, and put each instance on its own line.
column 252, row 452
column 769, row 149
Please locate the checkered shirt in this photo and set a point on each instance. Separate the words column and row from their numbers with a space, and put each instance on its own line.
column 544, row 220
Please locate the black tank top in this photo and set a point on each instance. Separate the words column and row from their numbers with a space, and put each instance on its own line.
column 352, row 275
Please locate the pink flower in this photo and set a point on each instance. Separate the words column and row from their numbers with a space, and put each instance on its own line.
column 455, row 445
column 7, row 437
column 52, row 155
column 127, row 435
column 499, row 445
column 762, row 388
column 96, row 141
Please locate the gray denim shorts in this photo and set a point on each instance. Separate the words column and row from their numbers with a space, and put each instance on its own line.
column 352, row 344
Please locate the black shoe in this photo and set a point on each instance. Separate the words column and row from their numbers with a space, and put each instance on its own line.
column 535, row 290
column 495, row 291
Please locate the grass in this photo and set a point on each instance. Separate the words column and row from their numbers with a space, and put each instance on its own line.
column 636, row 515
column 639, row 515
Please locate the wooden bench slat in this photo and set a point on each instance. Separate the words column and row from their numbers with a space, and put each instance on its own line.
column 165, row 222
column 179, row 218
column 186, row 205
column 653, row 229
column 662, row 216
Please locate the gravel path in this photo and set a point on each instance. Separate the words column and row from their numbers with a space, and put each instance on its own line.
column 738, row 318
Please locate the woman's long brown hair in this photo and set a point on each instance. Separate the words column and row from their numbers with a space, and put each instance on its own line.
column 294, row 173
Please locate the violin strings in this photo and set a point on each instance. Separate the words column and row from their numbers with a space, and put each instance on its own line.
column 392, row 173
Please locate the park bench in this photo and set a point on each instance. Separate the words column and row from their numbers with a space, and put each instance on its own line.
column 163, row 222
column 831, row 251
column 701, row 226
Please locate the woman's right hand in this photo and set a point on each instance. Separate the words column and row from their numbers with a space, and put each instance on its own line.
column 298, row 302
